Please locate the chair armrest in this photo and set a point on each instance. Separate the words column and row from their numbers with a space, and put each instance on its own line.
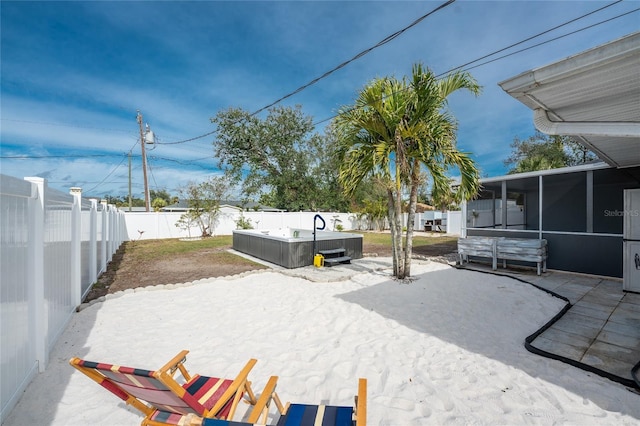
column 361, row 403
column 177, row 362
column 262, row 406
column 237, row 386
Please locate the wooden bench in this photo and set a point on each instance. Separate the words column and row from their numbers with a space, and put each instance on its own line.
column 519, row 249
column 478, row 247
column 524, row 250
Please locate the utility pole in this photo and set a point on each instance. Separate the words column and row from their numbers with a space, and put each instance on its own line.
column 130, row 201
column 144, row 165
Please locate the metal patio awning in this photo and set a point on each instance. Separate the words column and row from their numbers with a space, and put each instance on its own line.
column 593, row 96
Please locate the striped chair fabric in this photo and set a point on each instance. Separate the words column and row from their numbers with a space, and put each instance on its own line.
column 316, row 415
column 152, row 392
column 299, row 414
column 201, row 392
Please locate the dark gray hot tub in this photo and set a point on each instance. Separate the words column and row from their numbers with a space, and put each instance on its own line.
column 293, row 248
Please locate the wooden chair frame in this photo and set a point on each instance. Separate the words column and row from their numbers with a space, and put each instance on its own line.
column 259, row 412
column 166, row 376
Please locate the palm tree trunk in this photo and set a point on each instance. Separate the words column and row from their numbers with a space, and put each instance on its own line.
column 395, row 248
column 398, row 209
column 411, row 217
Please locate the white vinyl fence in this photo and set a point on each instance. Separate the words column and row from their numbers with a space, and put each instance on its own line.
column 158, row 225
column 53, row 247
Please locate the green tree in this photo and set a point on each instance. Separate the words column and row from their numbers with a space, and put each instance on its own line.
column 401, row 131
column 375, row 210
column 111, row 199
column 123, row 201
column 162, row 194
column 276, row 158
column 543, row 152
column 330, row 195
column 203, row 200
column 158, row 204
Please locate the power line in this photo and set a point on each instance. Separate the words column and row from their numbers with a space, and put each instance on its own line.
column 188, row 140
column 390, row 38
column 342, row 65
column 415, row 22
column 31, row 157
column 44, row 123
column 107, row 176
column 535, row 36
column 358, row 56
column 115, row 168
column 191, row 162
column 550, row 40
column 382, row 42
column 516, row 44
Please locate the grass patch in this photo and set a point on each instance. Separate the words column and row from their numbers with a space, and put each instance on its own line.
column 153, row 249
column 378, row 238
column 232, row 259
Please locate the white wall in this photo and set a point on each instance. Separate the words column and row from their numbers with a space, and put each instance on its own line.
column 158, row 225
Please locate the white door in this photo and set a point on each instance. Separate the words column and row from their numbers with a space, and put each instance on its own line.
column 632, row 266
column 631, row 251
column 632, row 214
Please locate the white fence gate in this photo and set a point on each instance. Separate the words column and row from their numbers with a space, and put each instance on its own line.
column 53, row 247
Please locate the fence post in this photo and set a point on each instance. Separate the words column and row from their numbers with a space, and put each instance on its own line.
column 93, row 241
column 121, row 226
column 105, row 236
column 76, row 246
column 116, row 228
column 111, row 233
column 463, row 220
column 36, row 270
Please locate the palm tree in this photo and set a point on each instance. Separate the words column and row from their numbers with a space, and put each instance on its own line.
column 401, row 131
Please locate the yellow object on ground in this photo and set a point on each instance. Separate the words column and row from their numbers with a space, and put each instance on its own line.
column 318, row 261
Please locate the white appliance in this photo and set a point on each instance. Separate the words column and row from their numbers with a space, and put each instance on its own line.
column 631, row 241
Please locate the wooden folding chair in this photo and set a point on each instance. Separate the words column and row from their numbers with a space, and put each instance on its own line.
column 298, row 414
column 162, row 399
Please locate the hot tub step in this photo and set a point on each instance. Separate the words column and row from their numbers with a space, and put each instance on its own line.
column 330, row 253
column 336, row 260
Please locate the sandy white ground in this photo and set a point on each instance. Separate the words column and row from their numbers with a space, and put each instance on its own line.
column 445, row 349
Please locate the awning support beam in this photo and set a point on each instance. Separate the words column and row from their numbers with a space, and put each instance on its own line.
column 574, row 128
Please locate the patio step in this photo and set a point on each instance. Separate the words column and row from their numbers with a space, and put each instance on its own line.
column 336, row 260
column 334, row 256
column 329, row 253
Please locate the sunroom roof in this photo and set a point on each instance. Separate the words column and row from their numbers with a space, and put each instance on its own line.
column 593, row 96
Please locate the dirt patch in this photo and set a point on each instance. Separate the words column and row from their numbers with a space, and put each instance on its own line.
column 127, row 271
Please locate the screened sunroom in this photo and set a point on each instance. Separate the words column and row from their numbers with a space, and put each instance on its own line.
column 578, row 210
column 593, row 97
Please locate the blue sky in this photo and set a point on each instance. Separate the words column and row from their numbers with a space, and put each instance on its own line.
column 73, row 74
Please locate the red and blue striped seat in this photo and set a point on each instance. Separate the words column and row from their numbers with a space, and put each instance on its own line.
column 299, row 414
column 317, row 415
column 162, row 399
